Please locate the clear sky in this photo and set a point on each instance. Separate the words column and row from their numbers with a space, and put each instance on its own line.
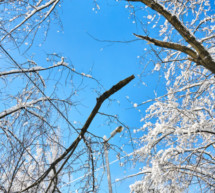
column 108, row 62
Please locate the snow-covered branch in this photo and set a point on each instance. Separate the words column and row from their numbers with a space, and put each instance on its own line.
column 170, row 45
column 33, row 69
column 36, row 9
column 204, row 55
column 20, row 106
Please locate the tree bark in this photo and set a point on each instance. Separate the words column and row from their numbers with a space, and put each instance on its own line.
column 203, row 57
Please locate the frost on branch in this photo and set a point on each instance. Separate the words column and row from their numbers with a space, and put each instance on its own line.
column 32, row 116
column 25, row 18
column 178, row 132
column 180, row 135
column 34, row 161
column 182, row 26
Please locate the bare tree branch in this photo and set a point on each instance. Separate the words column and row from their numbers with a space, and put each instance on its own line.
column 69, row 151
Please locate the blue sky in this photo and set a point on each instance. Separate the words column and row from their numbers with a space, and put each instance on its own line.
column 108, row 62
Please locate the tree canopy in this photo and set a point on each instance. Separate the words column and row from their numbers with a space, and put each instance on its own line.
column 175, row 144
